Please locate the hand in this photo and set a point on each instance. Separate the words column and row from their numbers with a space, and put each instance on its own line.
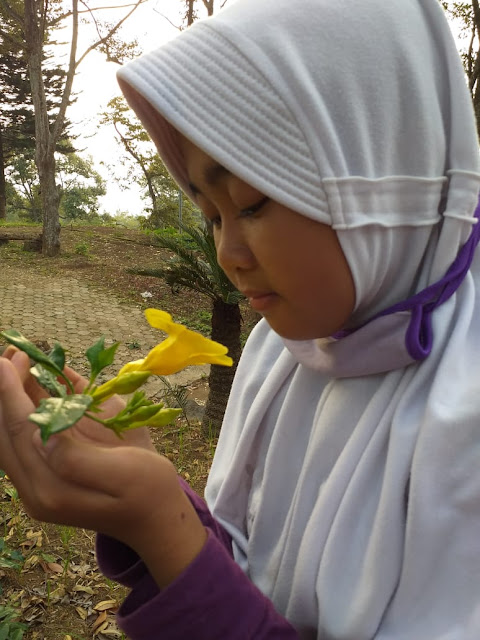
column 87, row 430
column 128, row 492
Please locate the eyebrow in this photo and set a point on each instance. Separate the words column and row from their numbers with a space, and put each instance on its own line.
column 211, row 175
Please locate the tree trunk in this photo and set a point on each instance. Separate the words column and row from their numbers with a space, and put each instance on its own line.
column 50, row 202
column 3, row 194
column 226, row 327
column 190, row 12
column 44, row 142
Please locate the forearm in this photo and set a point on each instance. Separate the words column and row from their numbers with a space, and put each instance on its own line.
column 121, row 563
column 212, row 599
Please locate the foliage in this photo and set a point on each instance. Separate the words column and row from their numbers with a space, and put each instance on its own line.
column 80, row 187
column 194, row 265
column 10, row 558
column 35, row 21
column 17, row 127
column 10, row 627
column 142, row 165
column 82, row 249
column 467, row 16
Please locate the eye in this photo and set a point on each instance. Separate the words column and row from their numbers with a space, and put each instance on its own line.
column 250, row 211
column 212, row 223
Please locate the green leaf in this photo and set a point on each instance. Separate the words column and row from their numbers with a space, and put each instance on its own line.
column 57, row 414
column 48, row 381
column 99, row 357
column 57, row 355
column 18, row 340
column 4, row 631
column 9, row 562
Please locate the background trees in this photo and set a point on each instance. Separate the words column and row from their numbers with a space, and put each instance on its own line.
column 79, row 188
column 139, row 163
column 34, row 21
column 465, row 17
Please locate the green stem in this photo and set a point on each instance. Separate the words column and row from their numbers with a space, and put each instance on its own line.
column 105, row 424
column 92, row 417
column 69, row 384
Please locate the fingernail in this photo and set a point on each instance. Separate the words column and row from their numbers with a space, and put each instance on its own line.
column 47, row 447
column 51, row 444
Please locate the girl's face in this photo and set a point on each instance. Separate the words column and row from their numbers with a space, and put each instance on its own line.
column 291, row 268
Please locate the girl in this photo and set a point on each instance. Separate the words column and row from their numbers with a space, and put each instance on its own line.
column 332, row 147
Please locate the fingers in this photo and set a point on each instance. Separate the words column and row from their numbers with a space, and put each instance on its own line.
column 15, row 429
column 72, row 481
column 15, row 404
column 101, row 488
column 79, row 382
column 105, row 469
column 20, row 360
column 9, row 351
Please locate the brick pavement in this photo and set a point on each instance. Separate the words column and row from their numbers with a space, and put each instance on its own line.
column 66, row 310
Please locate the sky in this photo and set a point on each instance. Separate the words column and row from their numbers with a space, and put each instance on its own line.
column 95, row 84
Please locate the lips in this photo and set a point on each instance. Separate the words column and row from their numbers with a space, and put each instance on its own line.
column 260, row 300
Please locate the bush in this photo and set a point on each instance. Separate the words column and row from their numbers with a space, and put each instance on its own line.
column 82, row 249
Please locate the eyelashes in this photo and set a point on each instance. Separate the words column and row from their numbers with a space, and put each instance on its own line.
column 249, row 211
column 216, row 221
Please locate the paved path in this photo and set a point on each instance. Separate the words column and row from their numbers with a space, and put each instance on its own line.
column 68, row 311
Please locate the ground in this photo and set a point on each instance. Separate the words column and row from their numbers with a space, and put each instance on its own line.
column 54, row 585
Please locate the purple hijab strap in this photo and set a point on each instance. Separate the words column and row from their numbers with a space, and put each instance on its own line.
column 419, row 335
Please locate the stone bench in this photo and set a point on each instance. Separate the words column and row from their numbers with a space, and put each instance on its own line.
column 32, row 240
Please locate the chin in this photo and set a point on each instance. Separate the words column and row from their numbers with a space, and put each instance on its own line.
column 294, row 331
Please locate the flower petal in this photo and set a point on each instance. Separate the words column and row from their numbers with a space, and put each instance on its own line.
column 135, row 365
column 180, row 349
column 162, row 320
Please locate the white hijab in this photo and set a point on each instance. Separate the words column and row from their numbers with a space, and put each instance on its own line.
column 347, row 474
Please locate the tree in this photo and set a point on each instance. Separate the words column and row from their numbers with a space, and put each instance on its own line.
column 36, row 19
column 25, row 190
column 16, row 118
column 467, row 15
column 210, row 6
column 144, row 166
column 79, row 187
column 195, row 267
column 17, row 127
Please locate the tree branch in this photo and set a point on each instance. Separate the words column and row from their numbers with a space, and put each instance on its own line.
column 11, row 12
column 93, row 18
column 67, row 90
column 111, row 32
column 68, row 14
column 9, row 38
column 167, row 19
column 476, row 14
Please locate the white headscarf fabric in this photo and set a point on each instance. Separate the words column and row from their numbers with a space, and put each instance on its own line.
column 348, row 477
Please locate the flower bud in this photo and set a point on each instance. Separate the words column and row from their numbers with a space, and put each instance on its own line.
column 121, row 384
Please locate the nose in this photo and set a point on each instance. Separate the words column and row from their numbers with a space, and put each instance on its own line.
column 233, row 251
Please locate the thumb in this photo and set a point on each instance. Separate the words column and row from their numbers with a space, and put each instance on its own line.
column 15, row 404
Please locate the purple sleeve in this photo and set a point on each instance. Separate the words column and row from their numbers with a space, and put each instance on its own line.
column 206, row 517
column 212, row 599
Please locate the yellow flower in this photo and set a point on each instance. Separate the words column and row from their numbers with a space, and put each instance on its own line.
column 181, row 349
